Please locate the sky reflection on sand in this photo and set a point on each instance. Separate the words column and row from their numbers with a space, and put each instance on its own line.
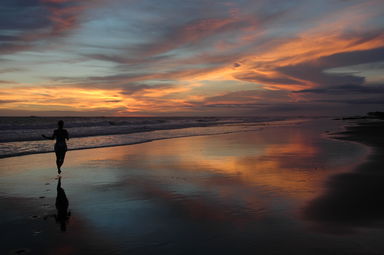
column 228, row 193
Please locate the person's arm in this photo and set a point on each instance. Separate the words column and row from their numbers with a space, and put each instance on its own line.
column 66, row 135
column 47, row 137
column 50, row 137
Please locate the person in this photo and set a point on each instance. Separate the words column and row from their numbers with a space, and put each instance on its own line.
column 61, row 135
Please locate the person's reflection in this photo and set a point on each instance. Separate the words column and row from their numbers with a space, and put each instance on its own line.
column 61, row 204
column 62, row 213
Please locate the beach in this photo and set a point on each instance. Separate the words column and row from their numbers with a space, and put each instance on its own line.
column 353, row 199
column 289, row 189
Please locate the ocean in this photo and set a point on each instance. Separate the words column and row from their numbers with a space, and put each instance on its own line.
column 23, row 135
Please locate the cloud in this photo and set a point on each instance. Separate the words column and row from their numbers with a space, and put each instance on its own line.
column 379, row 101
column 250, row 95
column 353, row 57
column 7, row 82
column 277, row 79
column 346, row 90
column 314, row 71
column 244, row 102
column 8, row 101
column 27, row 24
column 10, row 70
column 135, row 89
column 122, row 79
column 131, row 99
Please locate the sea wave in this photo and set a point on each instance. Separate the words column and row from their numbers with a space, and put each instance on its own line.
column 124, row 131
column 30, row 128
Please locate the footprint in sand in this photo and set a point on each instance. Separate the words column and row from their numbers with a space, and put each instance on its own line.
column 20, row 251
column 35, row 233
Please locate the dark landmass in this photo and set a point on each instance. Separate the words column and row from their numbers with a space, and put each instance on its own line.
column 369, row 115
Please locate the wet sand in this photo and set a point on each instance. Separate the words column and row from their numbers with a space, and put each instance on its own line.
column 273, row 191
column 354, row 200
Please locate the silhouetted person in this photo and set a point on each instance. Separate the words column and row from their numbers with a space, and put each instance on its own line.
column 62, row 213
column 60, row 135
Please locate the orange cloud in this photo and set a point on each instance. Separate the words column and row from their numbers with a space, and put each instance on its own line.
column 80, row 99
column 328, row 38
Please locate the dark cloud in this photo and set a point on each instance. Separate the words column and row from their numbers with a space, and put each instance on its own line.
column 231, row 106
column 256, row 77
column 132, row 89
column 352, row 58
column 198, row 25
column 11, row 70
column 7, row 82
column 113, row 101
column 264, row 102
column 357, row 101
column 316, row 74
column 128, row 62
column 120, row 80
column 243, row 102
column 314, row 71
column 55, row 113
column 8, row 101
column 21, row 15
column 254, row 95
column 24, row 23
column 345, row 89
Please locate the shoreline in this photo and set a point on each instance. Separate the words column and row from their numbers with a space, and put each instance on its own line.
column 119, row 145
column 110, row 128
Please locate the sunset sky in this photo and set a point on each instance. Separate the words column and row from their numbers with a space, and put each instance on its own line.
column 191, row 57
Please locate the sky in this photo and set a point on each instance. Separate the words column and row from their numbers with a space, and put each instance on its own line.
column 191, row 57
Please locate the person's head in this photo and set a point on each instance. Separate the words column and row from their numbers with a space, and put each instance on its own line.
column 60, row 124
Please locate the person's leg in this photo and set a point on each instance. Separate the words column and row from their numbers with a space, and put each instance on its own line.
column 60, row 156
column 58, row 164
